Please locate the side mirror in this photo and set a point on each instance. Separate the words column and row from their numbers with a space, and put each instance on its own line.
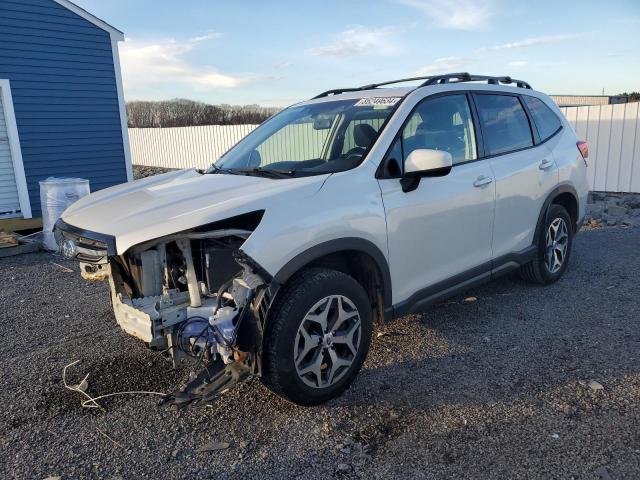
column 424, row 162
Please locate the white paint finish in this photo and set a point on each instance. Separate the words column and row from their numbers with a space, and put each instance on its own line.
column 444, row 227
column 441, row 229
column 112, row 31
column 122, row 108
column 14, row 147
column 155, row 206
column 612, row 133
column 522, row 186
column 348, row 204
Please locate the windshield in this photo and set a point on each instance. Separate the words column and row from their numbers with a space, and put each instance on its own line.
column 325, row 137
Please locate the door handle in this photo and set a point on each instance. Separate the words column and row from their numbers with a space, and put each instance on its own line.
column 546, row 163
column 482, row 180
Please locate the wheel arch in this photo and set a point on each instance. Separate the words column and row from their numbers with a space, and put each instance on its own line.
column 564, row 195
column 357, row 257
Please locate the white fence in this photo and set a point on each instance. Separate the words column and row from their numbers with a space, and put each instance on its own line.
column 183, row 147
column 613, row 133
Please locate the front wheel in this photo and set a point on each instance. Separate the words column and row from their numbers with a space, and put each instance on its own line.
column 553, row 249
column 317, row 336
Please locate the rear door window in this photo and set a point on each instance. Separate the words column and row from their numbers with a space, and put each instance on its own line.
column 504, row 123
column 546, row 121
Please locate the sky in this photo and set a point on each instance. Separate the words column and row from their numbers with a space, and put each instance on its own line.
column 275, row 53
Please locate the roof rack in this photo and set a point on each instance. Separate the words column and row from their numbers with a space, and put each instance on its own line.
column 467, row 77
column 367, row 87
column 432, row 80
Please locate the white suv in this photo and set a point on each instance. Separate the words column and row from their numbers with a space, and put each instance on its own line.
column 353, row 207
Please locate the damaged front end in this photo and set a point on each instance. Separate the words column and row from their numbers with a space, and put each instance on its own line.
column 193, row 295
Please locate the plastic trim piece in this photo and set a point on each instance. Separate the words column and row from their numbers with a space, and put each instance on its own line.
column 108, row 240
column 335, row 246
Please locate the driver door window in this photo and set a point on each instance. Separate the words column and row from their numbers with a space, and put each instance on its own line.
column 442, row 123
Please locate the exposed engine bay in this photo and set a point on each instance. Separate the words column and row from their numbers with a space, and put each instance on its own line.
column 194, row 296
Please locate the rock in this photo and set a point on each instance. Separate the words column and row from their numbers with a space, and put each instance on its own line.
column 631, row 201
column 616, row 211
column 603, row 473
column 611, row 222
column 53, row 477
column 213, row 446
column 595, row 386
column 346, row 450
column 595, row 209
column 470, row 299
column 555, row 436
column 243, row 444
column 612, row 200
column 343, row 468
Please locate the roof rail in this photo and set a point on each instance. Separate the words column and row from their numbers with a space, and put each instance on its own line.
column 432, row 80
column 467, row 77
column 367, row 87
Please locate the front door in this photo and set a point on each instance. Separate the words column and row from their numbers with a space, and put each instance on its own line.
column 442, row 228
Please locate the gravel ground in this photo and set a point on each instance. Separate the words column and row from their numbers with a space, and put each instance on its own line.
column 492, row 388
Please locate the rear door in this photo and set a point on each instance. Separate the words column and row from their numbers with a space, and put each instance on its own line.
column 525, row 172
column 443, row 227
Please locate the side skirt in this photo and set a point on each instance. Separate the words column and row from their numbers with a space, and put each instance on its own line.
column 462, row 282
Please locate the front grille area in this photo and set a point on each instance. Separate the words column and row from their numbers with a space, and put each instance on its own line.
column 89, row 250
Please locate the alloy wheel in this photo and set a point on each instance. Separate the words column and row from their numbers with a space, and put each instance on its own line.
column 557, row 243
column 327, row 341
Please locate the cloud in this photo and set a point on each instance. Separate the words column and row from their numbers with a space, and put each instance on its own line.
column 444, row 65
column 533, row 41
column 145, row 64
column 461, row 14
column 207, row 36
column 359, row 40
column 518, row 63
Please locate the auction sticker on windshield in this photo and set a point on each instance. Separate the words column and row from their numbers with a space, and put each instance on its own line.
column 377, row 101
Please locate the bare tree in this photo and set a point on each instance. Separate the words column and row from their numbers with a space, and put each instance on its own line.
column 184, row 113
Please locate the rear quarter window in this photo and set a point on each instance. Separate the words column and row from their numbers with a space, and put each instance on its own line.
column 505, row 124
column 546, row 121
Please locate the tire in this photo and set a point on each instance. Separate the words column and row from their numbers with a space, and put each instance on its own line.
column 295, row 323
column 543, row 270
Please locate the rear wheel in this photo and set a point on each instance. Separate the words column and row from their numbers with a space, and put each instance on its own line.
column 317, row 337
column 553, row 249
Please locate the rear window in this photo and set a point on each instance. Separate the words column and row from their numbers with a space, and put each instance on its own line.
column 546, row 121
column 505, row 124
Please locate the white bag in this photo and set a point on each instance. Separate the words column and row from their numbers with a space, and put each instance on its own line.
column 56, row 194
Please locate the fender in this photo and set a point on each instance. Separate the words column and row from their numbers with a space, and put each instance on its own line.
column 334, row 246
column 545, row 207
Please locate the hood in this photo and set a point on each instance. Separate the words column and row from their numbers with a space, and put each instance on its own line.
column 156, row 206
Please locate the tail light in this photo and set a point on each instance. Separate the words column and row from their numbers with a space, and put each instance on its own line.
column 584, row 150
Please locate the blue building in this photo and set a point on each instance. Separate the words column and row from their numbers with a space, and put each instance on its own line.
column 62, row 110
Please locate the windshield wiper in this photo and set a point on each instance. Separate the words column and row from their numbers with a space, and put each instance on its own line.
column 217, row 169
column 265, row 172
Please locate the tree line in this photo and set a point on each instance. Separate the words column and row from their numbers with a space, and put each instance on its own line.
column 187, row 113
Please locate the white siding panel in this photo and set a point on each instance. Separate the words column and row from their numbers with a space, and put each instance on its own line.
column 615, row 148
column 9, row 198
